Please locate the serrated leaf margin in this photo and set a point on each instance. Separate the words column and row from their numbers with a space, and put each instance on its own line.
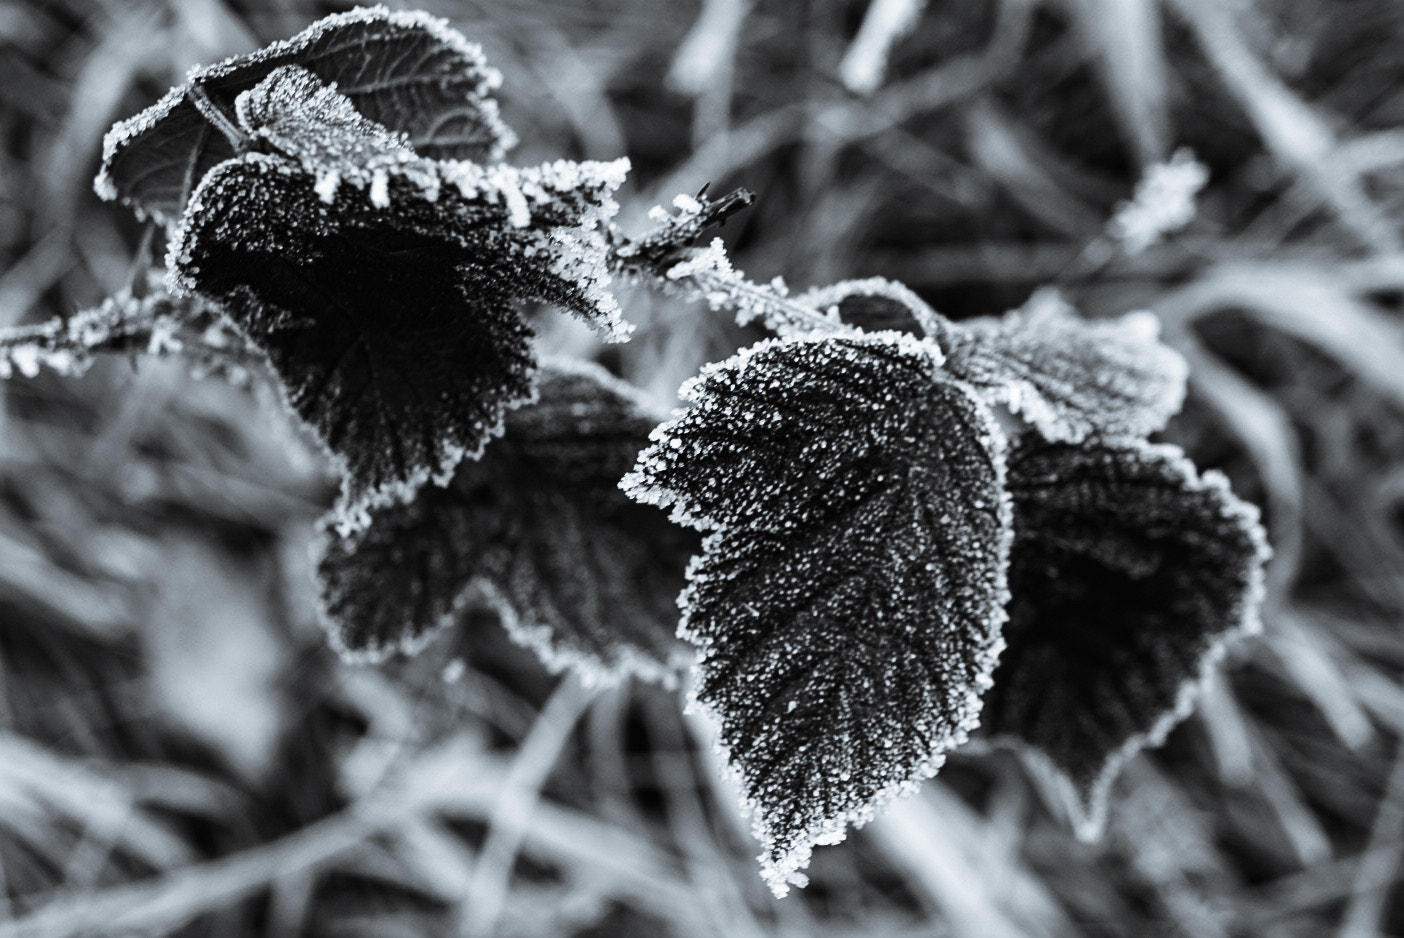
column 1089, row 814
column 787, row 872
column 437, row 27
column 476, row 590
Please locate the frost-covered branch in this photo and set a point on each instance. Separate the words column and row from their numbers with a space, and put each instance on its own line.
column 158, row 323
column 669, row 256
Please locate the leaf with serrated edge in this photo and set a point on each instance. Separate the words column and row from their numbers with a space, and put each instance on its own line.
column 579, row 573
column 848, row 601
column 388, row 317
column 1071, row 378
column 874, row 304
column 1130, row 572
column 407, row 71
column 318, row 126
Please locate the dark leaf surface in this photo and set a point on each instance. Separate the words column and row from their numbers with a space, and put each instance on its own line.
column 408, row 72
column 849, row 599
column 875, row 304
column 1069, row 377
column 537, row 529
column 1129, row 571
column 388, row 316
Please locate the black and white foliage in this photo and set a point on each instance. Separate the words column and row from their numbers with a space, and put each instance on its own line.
column 538, row 529
column 383, row 287
column 338, row 211
column 296, row 114
column 848, row 599
column 406, row 71
column 875, row 304
column 785, row 477
column 1069, row 377
column 1129, row 570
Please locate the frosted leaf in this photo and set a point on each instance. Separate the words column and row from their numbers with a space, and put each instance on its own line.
column 1069, row 377
column 849, row 600
column 319, row 127
column 1129, row 572
column 409, row 72
column 393, row 330
column 538, row 525
column 875, row 305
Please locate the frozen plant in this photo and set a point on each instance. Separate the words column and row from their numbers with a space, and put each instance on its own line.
column 887, row 533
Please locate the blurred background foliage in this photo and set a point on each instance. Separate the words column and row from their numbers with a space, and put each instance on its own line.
column 180, row 754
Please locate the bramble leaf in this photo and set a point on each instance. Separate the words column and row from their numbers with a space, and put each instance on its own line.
column 537, row 526
column 315, row 124
column 875, row 305
column 389, row 317
column 409, row 72
column 1129, row 572
column 1071, row 378
column 849, row 598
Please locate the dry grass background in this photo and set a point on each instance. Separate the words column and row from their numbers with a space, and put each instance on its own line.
column 179, row 754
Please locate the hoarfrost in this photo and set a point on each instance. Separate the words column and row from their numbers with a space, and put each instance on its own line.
column 708, row 275
column 538, row 529
column 1162, row 205
column 875, row 304
column 687, row 205
column 408, row 72
column 848, row 600
column 380, row 189
column 1071, row 378
column 156, row 323
column 1130, row 571
column 327, row 182
column 401, row 369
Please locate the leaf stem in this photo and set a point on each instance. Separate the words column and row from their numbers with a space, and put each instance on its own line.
column 216, row 115
column 668, row 256
column 158, row 323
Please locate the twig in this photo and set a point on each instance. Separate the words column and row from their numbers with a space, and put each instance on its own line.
column 673, row 236
column 667, row 256
column 159, row 323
